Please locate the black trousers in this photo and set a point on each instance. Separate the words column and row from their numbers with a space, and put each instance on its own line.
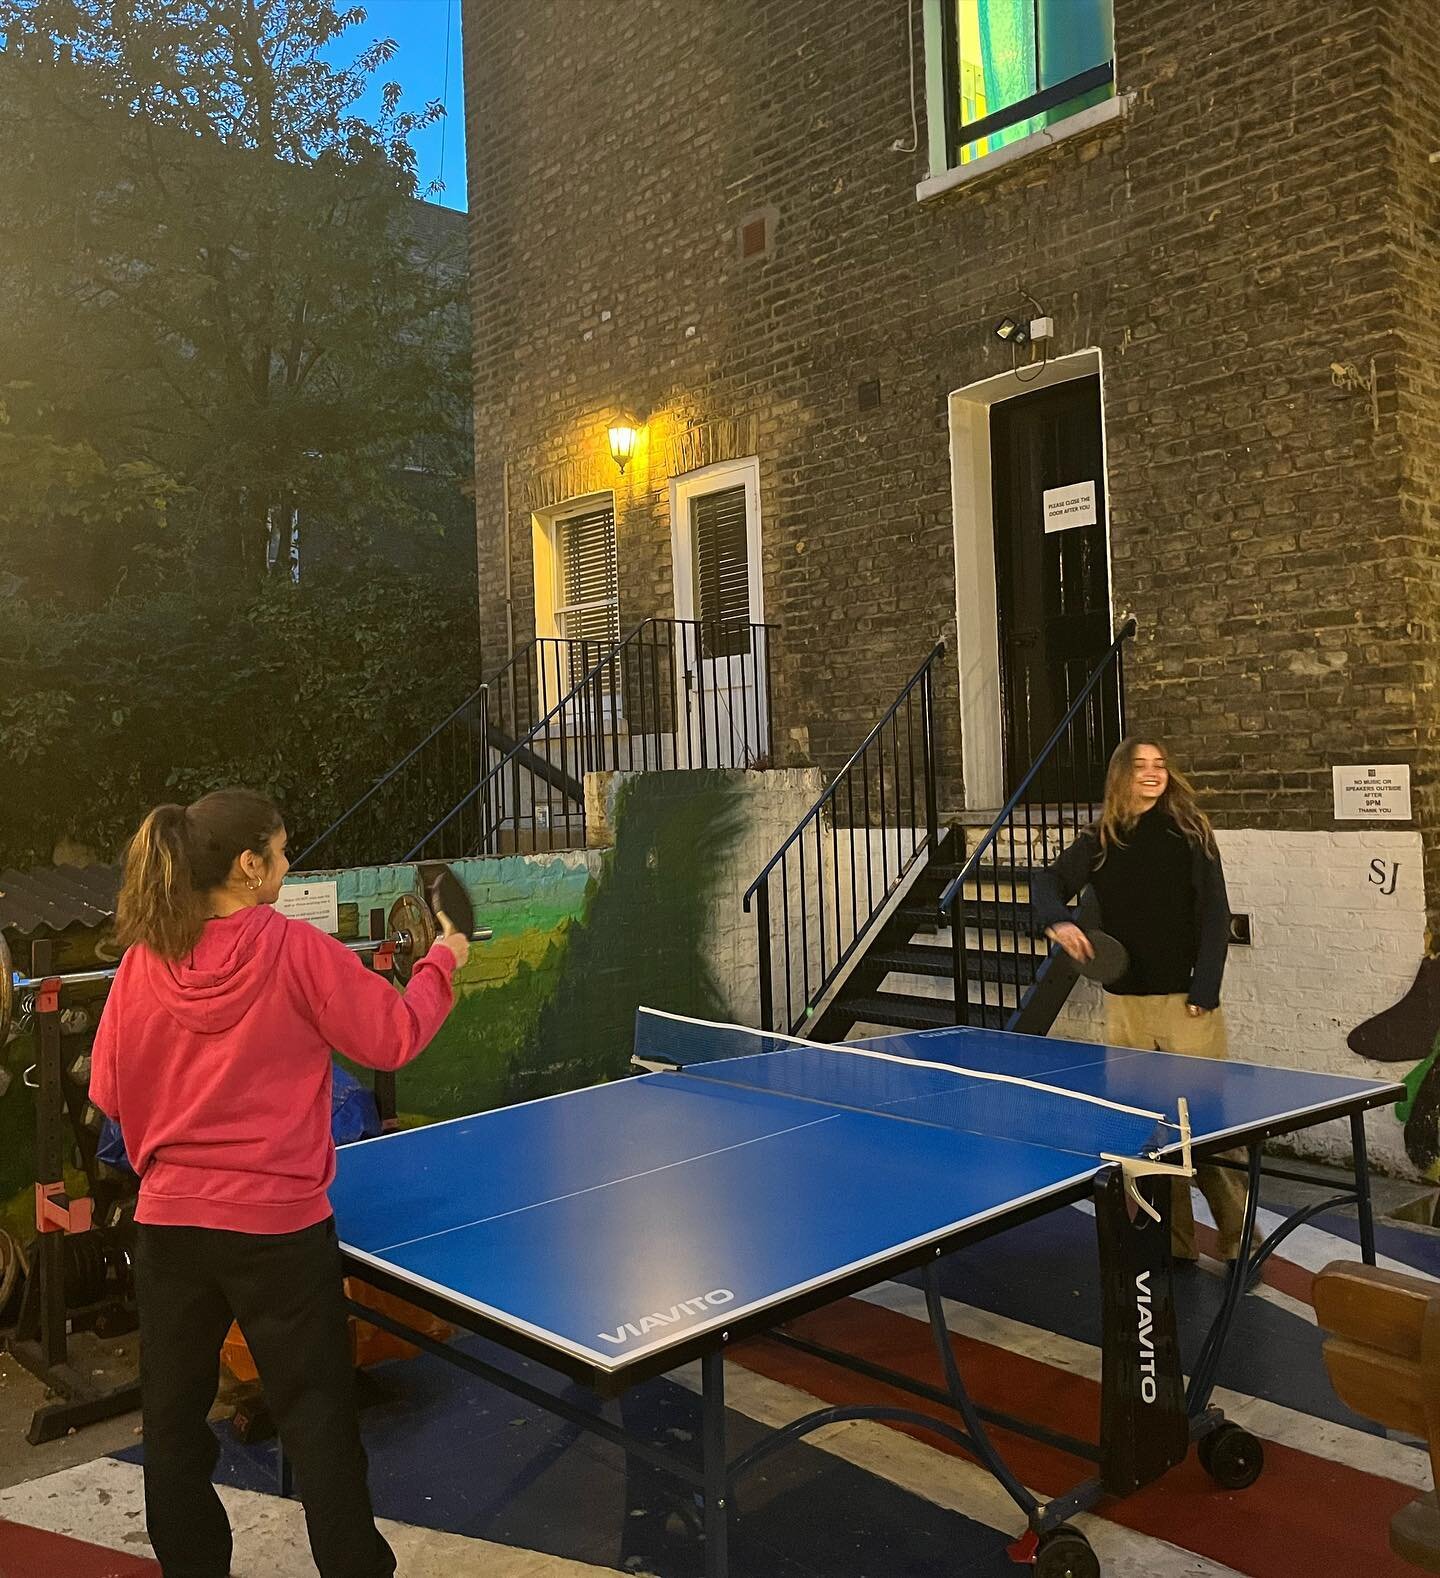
column 284, row 1290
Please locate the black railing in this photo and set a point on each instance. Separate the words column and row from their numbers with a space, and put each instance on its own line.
column 434, row 775
column 674, row 694
column 983, row 905
column 833, row 877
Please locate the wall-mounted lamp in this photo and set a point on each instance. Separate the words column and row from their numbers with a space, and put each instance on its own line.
column 622, row 444
column 1012, row 331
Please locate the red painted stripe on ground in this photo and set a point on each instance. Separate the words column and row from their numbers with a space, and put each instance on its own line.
column 1304, row 1508
column 36, row 1553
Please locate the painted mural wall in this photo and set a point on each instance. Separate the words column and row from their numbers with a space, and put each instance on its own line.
column 582, row 939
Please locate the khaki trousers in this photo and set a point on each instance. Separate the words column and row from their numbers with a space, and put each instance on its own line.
column 1161, row 1024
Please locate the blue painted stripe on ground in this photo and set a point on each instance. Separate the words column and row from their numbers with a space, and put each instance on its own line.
column 449, row 1451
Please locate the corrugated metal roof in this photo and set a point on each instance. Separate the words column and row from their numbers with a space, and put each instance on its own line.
column 54, row 897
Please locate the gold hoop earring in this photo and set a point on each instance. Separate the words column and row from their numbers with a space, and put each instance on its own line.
column 254, row 883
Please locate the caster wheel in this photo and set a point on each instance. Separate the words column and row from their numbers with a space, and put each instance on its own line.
column 1232, row 1457
column 1065, row 1553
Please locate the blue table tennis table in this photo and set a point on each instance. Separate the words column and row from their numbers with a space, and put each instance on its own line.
column 617, row 1232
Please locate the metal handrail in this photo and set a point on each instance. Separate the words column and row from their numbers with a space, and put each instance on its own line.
column 503, row 676
column 579, row 699
column 835, row 951
column 479, row 692
column 828, row 793
column 1127, row 631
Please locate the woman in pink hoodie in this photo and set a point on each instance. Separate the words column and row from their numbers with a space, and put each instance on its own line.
column 214, row 1056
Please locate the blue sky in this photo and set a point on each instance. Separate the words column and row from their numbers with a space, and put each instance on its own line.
column 420, row 29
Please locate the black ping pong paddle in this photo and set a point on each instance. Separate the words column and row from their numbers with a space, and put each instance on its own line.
column 446, row 896
column 1110, row 959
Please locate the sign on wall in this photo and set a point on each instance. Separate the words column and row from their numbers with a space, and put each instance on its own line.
column 1070, row 506
column 1372, row 793
column 316, row 902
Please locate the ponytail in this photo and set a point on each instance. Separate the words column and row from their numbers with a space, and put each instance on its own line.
column 180, row 854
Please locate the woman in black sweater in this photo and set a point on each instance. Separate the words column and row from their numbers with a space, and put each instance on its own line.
column 1152, row 862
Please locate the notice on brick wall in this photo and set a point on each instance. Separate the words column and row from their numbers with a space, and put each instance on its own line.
column 1372, row 794
column 1072, row 506
column 316, row 902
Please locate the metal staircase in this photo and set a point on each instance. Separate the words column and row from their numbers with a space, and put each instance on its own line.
column 504, row 772
column 949, row 939
column 436, row 773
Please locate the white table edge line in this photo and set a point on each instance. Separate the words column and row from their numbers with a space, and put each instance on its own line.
column 731, row 1314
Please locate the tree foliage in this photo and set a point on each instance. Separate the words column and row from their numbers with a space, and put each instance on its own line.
column 226, row 311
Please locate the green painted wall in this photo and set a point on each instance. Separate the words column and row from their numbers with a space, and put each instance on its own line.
column 581, row 941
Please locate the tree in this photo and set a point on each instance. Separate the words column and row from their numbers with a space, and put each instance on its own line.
column 226, row 311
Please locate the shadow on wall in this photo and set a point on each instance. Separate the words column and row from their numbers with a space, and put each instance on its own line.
column 581, row 940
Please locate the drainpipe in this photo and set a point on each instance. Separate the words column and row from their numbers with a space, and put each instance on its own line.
column 509, row 596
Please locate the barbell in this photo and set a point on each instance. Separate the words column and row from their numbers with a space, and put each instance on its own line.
column 411, row 932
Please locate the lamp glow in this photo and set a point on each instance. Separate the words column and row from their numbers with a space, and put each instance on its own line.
column 622, row 445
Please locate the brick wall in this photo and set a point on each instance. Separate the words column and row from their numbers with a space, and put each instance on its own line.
column 1264, row 209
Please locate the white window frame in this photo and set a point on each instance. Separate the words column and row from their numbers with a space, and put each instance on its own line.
column 546, row 528
column 944, row 176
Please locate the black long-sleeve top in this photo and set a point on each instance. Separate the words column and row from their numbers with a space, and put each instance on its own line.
column 1162, row 895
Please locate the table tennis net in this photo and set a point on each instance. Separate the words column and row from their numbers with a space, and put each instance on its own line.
column 937, row 1093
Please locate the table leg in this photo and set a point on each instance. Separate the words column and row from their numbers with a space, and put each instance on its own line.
column 717, row 1487
column 1362, row 1188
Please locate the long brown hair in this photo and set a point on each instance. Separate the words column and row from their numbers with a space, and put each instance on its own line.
column 179, row 854
column 1117, row 815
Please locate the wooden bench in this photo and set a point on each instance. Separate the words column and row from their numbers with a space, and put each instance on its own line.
column 1384, row 1362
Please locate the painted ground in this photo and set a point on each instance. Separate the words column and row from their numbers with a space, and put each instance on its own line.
column 475, row 1481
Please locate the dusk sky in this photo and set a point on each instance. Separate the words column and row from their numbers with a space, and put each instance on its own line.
column 420, row 29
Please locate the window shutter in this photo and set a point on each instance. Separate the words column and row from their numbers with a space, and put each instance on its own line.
column 590, row 611
column 722, row 571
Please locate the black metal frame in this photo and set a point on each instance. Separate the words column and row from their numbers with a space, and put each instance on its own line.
column 717, row 1474
column 41, row 1340
column 1024, row 817
column 959, row 137
column 898, row 751
column 635, row 695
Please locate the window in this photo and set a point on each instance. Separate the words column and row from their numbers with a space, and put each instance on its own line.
column 1015, row 67
column 587, row 606
column 721, row 535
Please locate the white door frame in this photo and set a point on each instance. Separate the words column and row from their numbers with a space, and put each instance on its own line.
column 976, row 606
column 713, row 479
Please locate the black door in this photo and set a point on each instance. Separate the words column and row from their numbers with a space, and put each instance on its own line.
column 1052, row 586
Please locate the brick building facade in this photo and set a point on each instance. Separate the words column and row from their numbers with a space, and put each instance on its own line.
column 1238, row 244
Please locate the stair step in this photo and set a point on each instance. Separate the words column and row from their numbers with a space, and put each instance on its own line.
column 881, row 1009
column 907, row 1013
column 927, row 959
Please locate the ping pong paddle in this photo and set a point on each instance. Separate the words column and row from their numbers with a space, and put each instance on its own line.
column 1110, row 959
column 447, row 897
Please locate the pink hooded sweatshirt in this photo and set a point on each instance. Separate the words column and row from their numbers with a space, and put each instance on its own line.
column 217, row 1067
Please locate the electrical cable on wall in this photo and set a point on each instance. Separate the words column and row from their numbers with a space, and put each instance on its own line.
column 900, row 146
column 1045, row 353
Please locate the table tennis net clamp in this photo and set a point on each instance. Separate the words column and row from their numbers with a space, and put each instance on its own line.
column 1135, row 1168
